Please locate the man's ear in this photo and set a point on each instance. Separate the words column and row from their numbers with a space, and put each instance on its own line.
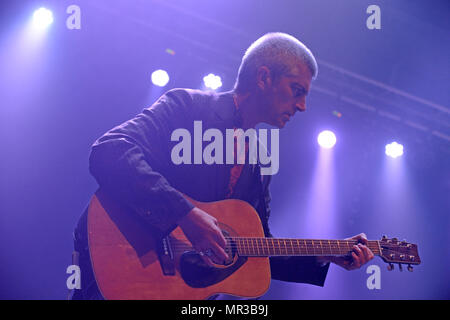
column 263, row 78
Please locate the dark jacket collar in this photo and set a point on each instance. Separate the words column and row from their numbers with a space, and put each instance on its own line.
column 225, row 109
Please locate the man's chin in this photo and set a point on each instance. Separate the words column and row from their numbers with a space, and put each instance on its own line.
column 281, row 124
column 278, row 123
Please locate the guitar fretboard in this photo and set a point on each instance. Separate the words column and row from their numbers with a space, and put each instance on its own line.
column 264, row 247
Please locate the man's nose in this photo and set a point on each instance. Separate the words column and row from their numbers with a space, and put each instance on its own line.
column 300, row 105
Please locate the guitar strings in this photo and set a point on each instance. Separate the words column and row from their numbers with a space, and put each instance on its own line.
column 242, row 242
column 272, row 252
column 181, row 246
column 290, row 246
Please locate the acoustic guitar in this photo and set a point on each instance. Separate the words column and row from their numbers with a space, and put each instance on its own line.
column 130, row 263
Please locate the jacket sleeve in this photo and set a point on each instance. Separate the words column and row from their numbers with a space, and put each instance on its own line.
column 294, row 269
column 128, row 160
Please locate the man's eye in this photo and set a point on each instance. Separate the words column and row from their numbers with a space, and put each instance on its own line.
column 297, row 91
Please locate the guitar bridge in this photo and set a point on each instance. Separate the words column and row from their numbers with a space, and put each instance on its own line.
column 166, row 257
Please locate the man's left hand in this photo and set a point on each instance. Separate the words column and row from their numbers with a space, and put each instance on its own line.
column 361, row 254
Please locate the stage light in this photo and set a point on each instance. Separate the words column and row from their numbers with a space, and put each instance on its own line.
column 212, row 81
column 326, row 139
column 42, row 18
column 160, row 78
column 394, row 150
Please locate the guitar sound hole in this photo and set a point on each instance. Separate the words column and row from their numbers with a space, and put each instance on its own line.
column 197, row 274
column 230, row 249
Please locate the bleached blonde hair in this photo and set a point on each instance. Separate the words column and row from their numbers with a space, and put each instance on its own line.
column 277, row 51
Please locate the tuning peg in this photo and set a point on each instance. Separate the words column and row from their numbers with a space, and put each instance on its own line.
column 410, row 268
column 400, row 267
column 390, row 267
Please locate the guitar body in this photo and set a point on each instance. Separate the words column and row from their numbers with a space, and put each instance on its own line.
column 129, row 263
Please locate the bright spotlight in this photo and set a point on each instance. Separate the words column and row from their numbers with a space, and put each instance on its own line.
column 212, row 81
column 42, row 18
column 160, row 78
column 394, row 150
column 326, row 139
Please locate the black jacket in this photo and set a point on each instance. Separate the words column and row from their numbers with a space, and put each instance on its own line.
column 132, row 162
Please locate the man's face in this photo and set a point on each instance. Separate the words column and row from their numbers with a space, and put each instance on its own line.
column 287, row 95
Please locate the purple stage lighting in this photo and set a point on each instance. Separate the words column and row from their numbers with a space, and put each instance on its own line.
column 394, row 150
column 42, row 18
column 326, row 139
column 212, row 81
column 160, row 78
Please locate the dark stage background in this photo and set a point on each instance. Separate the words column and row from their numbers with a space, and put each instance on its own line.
column 61, row 90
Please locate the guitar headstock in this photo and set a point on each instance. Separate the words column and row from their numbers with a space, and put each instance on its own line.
column 401, row 252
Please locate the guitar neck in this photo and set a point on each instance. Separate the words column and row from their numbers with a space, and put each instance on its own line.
column 264, row 247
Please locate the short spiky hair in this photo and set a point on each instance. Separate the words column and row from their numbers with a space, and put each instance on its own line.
column 276, row 51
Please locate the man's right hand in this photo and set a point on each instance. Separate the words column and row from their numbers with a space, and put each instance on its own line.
column 202, row 231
